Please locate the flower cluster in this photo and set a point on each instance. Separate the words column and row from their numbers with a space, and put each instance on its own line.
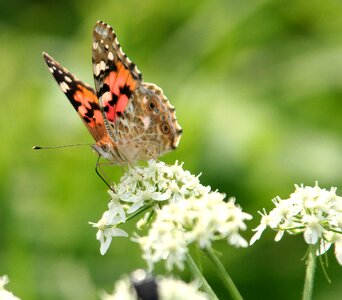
column 199, row 220
column 184, row 211
column 4, row 294
column 315, row 212
column 166, row 289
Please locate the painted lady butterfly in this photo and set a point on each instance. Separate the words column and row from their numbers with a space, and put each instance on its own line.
column 129, row 119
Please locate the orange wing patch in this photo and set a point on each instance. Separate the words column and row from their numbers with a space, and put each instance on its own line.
column 119, row 86
column 87, row 105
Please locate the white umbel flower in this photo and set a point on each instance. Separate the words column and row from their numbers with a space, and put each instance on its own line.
column 171, row 289
column 4, row 294
column 312, row 211
column 167, row 289
column 182, row 211
column 122, row 291
column 193, row 220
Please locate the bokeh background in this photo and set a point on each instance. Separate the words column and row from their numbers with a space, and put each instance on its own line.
column 258, row 91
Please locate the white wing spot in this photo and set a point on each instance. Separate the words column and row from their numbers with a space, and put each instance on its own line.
column 99, row 67
column 67, row 79
column 136, row 70
column 95, row 45
column 107, row 96
column 51, row 70
column 64, row 87
column 110, row 56
column 127, row 59
column 102, row 65
column 96, row 69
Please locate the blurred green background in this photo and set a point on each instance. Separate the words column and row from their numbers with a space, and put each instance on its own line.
column 258, row 91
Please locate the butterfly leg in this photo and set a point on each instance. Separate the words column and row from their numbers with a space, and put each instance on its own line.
column 98, row 173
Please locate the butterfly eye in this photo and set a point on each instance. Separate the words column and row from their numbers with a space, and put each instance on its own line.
column 105, row 148
column 165, row 128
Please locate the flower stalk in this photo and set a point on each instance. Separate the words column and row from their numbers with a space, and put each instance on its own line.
column 227, row 280
column 199, row 276
column 310, row 273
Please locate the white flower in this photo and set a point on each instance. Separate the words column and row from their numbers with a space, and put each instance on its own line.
column 3, row 281
column 106, row 230
column 164, row 242
column 115, row 207
column 192, row 220
column 338, row 249
column 266, row 220
column 181, row 211
column 313, row 230
column 313, row 211
column 167, row 289
column 4, row 294
column 122, row 291
column 171, row 289
column 145, row 195
column 332, row 238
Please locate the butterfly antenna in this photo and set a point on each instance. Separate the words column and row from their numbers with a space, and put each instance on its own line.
column 98, row 173
column 57, row 147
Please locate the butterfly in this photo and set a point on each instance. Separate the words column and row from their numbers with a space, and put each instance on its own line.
column 129, row 119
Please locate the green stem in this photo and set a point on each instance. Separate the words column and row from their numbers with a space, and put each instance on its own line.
column 310, row 272
column 227, row 280
column 139, row 211
column 199, row 276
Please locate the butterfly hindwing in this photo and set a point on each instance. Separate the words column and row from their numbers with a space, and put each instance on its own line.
column 116, row 77
column 81, row 96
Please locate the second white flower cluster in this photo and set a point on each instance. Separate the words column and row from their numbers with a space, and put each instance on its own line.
column 313, row 211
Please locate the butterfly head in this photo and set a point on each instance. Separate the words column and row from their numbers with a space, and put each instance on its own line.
column 104, row 148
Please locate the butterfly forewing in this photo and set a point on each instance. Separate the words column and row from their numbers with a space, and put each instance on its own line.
column 81, row 96
column 116, row 77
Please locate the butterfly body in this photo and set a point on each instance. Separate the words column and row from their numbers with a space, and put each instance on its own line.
column 129, row 119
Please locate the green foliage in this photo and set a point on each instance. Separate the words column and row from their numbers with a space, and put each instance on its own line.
column 258, row 91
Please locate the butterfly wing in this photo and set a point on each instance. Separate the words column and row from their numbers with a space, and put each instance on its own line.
column 116, row 77
column 81, row 96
